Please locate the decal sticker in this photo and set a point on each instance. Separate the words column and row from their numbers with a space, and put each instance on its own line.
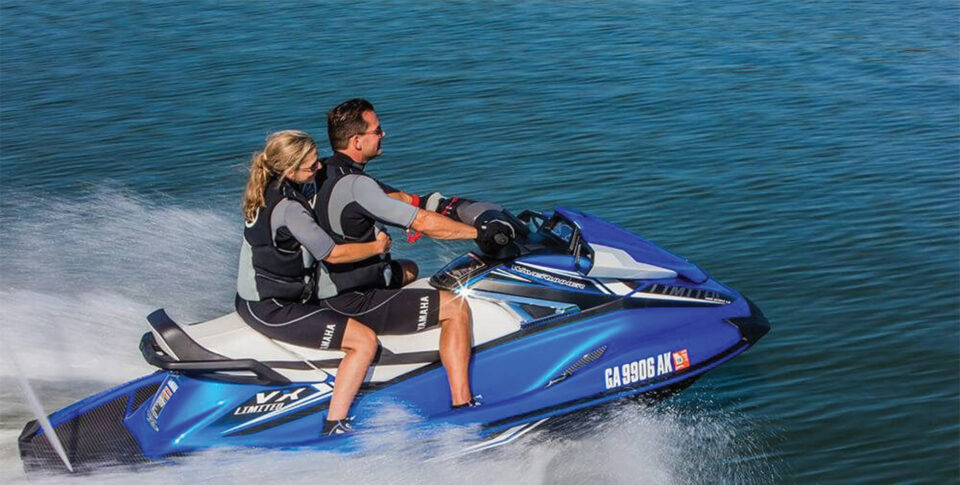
column 422, row 315
column 681, row 360
column 275, row 400
column 271, row 401
column 163, row 397
column 646, row 369
column 267, row 405
column 548, row 277
column 507, row 275
column 328, row 336
column 683, row 293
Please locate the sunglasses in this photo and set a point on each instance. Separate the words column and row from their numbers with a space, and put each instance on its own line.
column 379, row 132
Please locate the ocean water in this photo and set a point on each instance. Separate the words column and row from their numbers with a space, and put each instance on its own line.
column 807, row 154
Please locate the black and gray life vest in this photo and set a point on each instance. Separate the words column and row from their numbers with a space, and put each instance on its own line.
column 373, row 272
column 275, row 265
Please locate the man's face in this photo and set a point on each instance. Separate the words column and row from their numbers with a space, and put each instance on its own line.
column 370, row 141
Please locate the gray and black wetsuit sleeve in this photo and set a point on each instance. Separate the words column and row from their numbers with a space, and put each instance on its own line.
column 372, row 200
column 386, row 188
column 292, row 216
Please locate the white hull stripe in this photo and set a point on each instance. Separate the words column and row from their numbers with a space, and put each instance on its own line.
column 603, row 288
column 508, row 436
column 652, row 296
column 618, row 288
column 501, row 299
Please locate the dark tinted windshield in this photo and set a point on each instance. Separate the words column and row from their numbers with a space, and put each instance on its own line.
column 551, row 231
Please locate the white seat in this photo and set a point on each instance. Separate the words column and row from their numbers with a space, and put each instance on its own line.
column 231, row 337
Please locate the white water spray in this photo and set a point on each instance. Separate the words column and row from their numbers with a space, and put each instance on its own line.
column 36, row 407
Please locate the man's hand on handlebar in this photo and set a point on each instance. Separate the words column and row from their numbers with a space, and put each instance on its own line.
column 495, row 235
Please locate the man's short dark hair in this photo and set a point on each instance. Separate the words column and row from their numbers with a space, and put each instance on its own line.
column 346, row 120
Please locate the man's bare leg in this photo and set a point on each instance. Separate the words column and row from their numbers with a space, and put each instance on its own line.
column 455, row 345
column 359, row 345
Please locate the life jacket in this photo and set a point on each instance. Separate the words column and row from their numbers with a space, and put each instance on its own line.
column 275, row 265
column 373, row 272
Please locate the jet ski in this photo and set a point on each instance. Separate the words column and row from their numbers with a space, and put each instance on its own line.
column 581, row 313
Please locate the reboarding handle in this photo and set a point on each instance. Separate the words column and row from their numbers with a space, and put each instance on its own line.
column 190, row 357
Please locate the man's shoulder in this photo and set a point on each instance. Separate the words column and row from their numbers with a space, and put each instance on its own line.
column 335, row 175
column 352, row 187
column 362, row 184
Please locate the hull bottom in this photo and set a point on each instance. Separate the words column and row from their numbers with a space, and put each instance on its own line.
column 98, row 439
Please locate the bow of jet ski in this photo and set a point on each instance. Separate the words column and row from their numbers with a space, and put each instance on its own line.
column 585, row 313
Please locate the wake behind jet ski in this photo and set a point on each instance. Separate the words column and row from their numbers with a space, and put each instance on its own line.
column 579, row 313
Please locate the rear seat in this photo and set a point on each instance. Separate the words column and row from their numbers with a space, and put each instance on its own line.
column 228, row 337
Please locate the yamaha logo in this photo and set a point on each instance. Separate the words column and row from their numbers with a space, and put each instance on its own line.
column 328, row 336
column 424, row 310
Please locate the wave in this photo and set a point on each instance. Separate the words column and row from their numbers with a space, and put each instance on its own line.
column 631, row 444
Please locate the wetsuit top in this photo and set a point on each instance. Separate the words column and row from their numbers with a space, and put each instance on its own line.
column 350, row 202
column 280, row 248
column 350, row 205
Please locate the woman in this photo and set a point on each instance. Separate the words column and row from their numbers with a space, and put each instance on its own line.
column 279, row 269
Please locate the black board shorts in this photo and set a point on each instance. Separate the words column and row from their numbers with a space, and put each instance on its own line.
column 390, row 311
column 311, row 325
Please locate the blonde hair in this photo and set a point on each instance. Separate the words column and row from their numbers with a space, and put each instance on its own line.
column 284, row 150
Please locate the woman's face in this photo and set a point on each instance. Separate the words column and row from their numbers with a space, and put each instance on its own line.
column 305, row 171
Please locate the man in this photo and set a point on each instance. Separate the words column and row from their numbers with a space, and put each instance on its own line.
column 352, row 206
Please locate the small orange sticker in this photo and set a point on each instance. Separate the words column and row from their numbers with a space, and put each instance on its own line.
column 681, row 360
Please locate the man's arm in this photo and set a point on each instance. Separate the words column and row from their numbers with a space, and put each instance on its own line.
column 440, row 227
column 389, row 209
column 397, row 194
column 401, row 196
column 434, row 201
column 351, row 252
column 377, row 204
